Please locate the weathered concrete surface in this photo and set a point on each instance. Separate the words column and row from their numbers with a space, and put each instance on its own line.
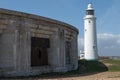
column 16, row 30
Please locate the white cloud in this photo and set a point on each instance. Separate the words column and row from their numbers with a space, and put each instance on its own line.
column 108, row 44
column 107, row 36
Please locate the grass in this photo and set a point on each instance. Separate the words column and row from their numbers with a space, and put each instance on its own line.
column 114, row 65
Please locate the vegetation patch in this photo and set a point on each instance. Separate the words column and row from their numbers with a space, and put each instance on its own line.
column 91, row 66
column 115, row 64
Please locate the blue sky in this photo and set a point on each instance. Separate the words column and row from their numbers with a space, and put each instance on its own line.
column 72, row 12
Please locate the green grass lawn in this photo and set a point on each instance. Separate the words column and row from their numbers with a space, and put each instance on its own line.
column 113, row 65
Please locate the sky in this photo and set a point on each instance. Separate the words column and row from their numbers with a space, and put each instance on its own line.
column 73, row 12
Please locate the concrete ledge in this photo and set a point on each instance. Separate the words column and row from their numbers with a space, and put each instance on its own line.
column 32, row 16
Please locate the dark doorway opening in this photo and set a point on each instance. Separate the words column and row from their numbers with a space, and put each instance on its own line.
column 39, row 53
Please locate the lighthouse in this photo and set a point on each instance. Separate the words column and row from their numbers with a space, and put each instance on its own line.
column 90, row 37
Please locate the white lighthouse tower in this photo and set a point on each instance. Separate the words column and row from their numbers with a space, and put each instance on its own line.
column 90, row 37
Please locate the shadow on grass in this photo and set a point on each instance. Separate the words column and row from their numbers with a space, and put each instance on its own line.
column 85, row 68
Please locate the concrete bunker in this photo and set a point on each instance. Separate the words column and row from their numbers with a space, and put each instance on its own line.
column 31, row 44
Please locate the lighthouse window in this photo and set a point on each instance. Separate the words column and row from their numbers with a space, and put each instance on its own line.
column 89, row 21
column 93, row 47
column 90, row 12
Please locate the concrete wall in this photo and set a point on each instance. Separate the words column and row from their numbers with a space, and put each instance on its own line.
column 16, row 30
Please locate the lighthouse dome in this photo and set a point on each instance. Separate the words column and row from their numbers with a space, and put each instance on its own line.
column 90, row 6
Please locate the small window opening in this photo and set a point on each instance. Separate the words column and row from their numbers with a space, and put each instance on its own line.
column 93, row 47
column 89, row 21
